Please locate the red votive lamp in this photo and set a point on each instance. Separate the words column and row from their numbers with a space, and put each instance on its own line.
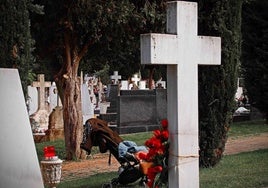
column 49, row 152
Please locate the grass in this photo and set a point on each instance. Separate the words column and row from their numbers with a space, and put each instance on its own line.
column 248, row 170
column 241, row 170
column 247, row 128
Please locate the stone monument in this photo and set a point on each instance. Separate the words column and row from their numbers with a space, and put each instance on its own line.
column 40, row 117
column 182, row 50
column 116, row 77
column 19, row 163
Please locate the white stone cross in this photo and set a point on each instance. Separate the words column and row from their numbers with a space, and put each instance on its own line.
column 135, row 79
column 116, row 77
column 182, row 51
column 41, row 86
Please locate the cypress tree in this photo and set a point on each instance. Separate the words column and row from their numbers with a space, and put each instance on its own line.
column 15, row 38
column 217, row 85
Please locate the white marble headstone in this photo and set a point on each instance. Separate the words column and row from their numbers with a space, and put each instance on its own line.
column 124, row 85
column 32, row 99
column 19, row 165
column 142, row 84
column 87, row 105
column 53, row 96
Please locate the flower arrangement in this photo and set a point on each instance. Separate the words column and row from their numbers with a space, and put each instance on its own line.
column 157, row 173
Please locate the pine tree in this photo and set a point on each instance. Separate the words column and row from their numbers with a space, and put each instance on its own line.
column 217, row 85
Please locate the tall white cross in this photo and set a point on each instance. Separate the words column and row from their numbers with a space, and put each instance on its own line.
column 182, row 51
column 115, row 77
column 41, row 85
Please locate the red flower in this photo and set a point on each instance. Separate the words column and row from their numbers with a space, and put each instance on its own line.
column 157, row 133
column 152, row 171
column 158, row 169
column 153, row 143
column 164, row 123
column 142, row 156
column 158, row 153
column 164, row 135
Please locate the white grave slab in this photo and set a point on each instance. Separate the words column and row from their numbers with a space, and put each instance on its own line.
column 142, row 84
column 124, row 85
column 53, row 96
column 87, row 105
column 182, row 51
column 32, row 99
column 19, row 164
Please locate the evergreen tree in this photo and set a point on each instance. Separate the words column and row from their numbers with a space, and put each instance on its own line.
column 91, row 34
column 217, row 85
column 15, row 38
column 255, row 53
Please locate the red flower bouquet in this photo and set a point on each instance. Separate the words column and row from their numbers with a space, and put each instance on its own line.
column 157, row 173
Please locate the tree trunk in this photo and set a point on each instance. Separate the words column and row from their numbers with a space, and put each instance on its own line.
column 69, row 85
column 151, row 74
column 72, row 117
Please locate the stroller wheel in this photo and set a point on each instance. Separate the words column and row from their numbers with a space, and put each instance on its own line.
column 107, row 185
column 114, row 181
column 129, row 175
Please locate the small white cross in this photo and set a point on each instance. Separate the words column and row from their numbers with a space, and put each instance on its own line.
column 116, row 77
column 135, row 79
column 182, row 51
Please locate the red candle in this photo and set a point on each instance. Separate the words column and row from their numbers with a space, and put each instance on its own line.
column 49, row 151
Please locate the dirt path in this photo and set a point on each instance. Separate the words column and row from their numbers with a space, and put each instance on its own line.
column 244, row 144
column 99, row 162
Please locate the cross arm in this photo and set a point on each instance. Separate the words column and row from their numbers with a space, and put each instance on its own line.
column 209, row 50
column 159, row 49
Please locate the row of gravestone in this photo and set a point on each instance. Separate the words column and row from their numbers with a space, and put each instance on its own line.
column 43, row 100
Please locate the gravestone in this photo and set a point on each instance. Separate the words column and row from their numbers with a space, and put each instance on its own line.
column 124, row 85
column 55, row 123
column 111, row 102
column 40, row 117
column 182, row 50
column 140, row 110
column 160, row 84
column 54, row 99
column 135, row 79
column 19, row 166
column 55, row 129
column 142, row 84
column 32, row 100
column 87, row 105
column 116, row 77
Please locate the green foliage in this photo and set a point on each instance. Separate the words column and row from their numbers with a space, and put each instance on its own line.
column 114, row 27
column 15, row 38
column 255, row 53
column 217, row 85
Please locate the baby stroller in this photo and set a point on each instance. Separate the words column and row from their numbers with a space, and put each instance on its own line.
column 97, row 133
